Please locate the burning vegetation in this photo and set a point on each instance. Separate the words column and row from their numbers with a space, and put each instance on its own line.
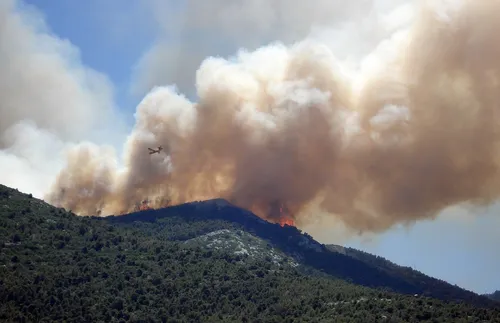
column 285, row 217
column 148, row 204
column 281, row 215
column 143, row 206
column 286, row 221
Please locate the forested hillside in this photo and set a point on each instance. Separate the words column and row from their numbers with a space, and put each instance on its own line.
column 494, row 296
column 441, row 289
column 55, row 267
column 360, row 269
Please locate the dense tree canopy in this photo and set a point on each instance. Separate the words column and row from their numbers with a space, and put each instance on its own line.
column 55, row 266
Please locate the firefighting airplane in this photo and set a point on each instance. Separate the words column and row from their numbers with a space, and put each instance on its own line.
column 152, row 151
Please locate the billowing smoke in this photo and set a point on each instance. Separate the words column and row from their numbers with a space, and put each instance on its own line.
column 47, row 100
column 410, row 130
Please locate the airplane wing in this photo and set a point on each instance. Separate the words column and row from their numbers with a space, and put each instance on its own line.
column 151, row 149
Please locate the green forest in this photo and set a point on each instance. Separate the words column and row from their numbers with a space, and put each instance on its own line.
column 59, row 267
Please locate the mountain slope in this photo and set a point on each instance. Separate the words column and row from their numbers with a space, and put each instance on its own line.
column 441, row 289
column 55, row 266
column 494, row 296
column 304, row 249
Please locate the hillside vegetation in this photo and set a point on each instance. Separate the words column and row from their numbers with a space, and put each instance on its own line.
column 494, row 296
column 145, row 267
column 357, row 267
column 435, row 287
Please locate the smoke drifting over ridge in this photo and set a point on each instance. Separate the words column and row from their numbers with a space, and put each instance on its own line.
column 411, row 131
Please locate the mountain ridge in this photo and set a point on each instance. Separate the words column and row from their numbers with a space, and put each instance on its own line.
column 319, row 256
column 187, row 263
column 494, row 296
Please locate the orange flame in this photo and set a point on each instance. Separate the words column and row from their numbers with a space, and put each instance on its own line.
column 149, row 204
column 287, row 221
column 144, row 206
column 285, row 218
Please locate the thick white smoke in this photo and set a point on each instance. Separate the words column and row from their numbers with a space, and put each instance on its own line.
column 48, row 100
column 191, row 31
column 374, row 113
column 383, row 119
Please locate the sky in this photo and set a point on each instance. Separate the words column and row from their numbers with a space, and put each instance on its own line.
column 117, row 51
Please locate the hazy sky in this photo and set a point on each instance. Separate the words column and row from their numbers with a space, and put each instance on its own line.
column 133, row 46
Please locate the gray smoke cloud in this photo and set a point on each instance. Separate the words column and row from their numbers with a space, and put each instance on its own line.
column 190, row 31
column 391, row 134
column 48, row 100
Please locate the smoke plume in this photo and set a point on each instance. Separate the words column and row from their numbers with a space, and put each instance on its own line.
column 48, row 100
column 410, row 130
